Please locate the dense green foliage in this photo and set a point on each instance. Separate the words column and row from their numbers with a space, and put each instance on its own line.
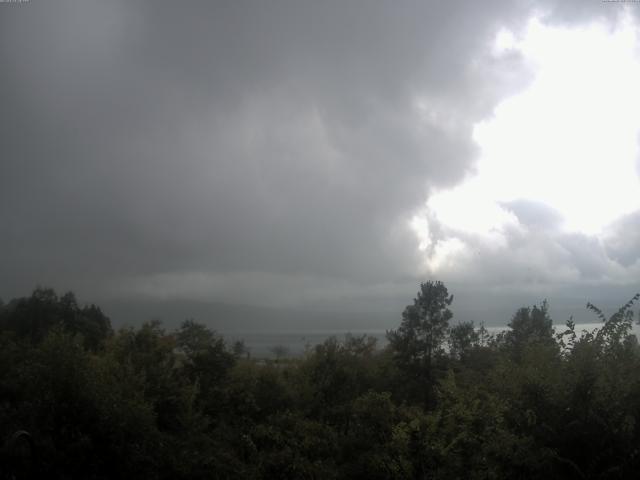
column 441, row 401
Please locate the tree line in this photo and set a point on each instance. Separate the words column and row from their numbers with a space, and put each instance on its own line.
column 441, row 400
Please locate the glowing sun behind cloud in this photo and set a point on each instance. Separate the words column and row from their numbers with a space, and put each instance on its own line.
column 568, row 142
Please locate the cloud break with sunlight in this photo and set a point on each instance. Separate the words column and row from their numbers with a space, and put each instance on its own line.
column 567, row 143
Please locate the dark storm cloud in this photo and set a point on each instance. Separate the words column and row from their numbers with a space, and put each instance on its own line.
column 160, row 137
column 197, row 148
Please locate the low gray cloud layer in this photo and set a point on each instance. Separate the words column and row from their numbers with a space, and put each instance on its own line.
column 262, row 153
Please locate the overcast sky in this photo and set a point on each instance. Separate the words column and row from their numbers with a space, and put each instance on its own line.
column 322, row 156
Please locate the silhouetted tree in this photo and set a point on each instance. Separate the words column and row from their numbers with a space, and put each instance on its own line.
column 31, row 318
column 462, row 338
column 206, row 362
column 528, row 327
column 420, row 338
column 158, row 404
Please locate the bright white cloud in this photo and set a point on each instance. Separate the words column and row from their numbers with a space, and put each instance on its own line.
column 569, row 141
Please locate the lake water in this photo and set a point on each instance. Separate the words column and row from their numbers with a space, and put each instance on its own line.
column 261, row 343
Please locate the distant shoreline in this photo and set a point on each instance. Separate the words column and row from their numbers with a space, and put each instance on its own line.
column 261, row 342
